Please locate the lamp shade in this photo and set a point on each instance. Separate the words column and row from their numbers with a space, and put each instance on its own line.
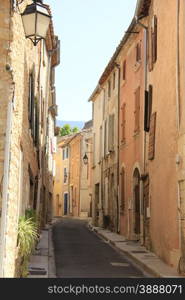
column 36, row 19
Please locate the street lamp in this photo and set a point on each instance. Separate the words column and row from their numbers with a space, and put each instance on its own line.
column 36, row 19
column 85, row 159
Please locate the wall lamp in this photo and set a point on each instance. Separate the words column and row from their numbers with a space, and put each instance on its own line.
column 85, row 158
column 36, row 20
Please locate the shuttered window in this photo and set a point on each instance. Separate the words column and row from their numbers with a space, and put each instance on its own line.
column 111, row 133
column 154, row 40
column 148, row 108
column 114, row 80
column 105, row 138
column 109, row 88
column 151, row 150
column 137, row 110
column 124, row 70
column 123, row 123
column 138, row 52
column 122, row 208
column 153, row 43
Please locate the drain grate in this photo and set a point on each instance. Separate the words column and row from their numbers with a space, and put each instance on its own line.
column 37, row 271
column 135, row 251
column 119, row 264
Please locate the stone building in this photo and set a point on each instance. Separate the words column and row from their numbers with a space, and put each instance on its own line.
column 150, row 71
column 27, row 121
column 86, row 171
column 105, row 140
column 61, row 204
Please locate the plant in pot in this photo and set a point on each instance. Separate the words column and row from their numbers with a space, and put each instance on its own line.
column 27, row 238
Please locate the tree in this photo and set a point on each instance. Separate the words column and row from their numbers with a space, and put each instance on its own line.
column 67, row 129
column 75, row 129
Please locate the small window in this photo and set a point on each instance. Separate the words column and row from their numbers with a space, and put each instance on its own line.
column 124, row 70
column 109, row 88
column 138, row 52
column 114, row 80
column 63, row 154
column 67, row 152
column 65, row 175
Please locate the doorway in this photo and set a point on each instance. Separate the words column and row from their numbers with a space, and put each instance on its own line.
column 65, row 204
column 136, row 206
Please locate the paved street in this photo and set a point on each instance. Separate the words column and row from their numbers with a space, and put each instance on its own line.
column 81, row 253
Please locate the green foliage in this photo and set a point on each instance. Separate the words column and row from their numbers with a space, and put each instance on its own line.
column 31, row 214
column 75, row 129
column 27, row 238
column 67, row 129
column 27, row 235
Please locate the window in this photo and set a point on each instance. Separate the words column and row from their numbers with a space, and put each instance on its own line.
column 153, row 43
column 148, row 108
column 151, row 150
column 65, row 175
column 67, row 152
column 122, row 208
column 114, row 80
column 123, row 122
column 111, row 133
column 137, row 110
column 31, row 100
column 138, row 52
column 33, row 112
column 124, row 70
column 109, row 88
column 154, row 40
column 63, row 154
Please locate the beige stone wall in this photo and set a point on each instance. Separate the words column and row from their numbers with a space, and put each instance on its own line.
column 23, row 57
column 85, row 173
column 164, row 222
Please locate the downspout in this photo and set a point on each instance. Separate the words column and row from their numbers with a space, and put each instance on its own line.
column 144, row 134
column 5, row 194
column 178, row 69
column 118, row 160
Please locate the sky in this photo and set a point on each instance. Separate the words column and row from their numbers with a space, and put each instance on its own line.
column 89, row 31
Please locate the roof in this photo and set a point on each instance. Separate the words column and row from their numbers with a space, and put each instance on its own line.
column 142, row 10
column 88, row 125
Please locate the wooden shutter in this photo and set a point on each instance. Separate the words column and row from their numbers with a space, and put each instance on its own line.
column 123, row 122
column 148, row 108
column 124, row 70
column 138, row 52
column 154, row 40
column 105, row 138
column 110, row 133
column 151, row 151
column 112, row 141
column 122, row 208
column 137, row 109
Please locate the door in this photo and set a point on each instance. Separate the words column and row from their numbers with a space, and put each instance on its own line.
column 65, row 204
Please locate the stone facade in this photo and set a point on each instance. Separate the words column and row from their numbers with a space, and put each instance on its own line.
column 25, row 94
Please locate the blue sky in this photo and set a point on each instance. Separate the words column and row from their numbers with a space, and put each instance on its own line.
column 90, row 31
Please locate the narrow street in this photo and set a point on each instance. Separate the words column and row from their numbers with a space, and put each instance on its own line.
column 80, row 253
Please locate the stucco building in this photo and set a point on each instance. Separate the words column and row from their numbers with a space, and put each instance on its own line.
column 27, row 122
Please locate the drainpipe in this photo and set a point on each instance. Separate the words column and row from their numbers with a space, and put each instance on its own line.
column 118, row 160
column 144, row 134
column 5, row 194
column 178, row 69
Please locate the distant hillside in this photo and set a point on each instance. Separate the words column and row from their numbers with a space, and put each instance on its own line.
column 78, row 124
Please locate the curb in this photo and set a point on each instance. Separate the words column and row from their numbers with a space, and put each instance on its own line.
column 146, row 268
column 51, row 256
